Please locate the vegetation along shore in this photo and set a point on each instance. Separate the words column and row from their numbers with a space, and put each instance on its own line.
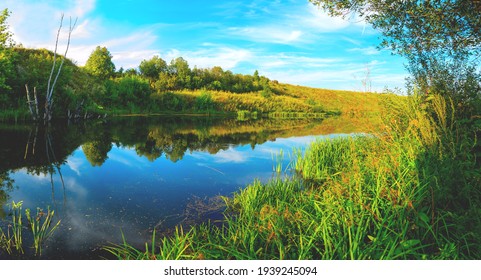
column 407, row 188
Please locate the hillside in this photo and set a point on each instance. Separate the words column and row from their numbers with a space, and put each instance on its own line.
column 80, row 93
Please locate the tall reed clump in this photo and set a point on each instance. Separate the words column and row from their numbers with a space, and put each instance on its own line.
column 40, row 225
column 13, row 238
column 398, row 194
column 41, row 230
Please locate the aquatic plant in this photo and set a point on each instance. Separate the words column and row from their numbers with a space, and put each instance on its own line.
column 13, row 238
column 40, row 224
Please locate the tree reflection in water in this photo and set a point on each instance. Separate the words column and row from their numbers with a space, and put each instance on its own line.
column 134, row 174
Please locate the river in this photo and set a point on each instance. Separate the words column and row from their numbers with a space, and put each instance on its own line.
column 125, row 177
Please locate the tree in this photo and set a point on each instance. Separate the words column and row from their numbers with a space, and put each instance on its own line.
column 96, row 151
column 180, row 67
column 5, row 35
column 52, row 79
column 153, row 67
column 100, row 63
column 432, row 35
column 6, row 57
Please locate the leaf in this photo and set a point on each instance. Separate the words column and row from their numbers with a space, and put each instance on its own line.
column 410, row 243
column 423, row 217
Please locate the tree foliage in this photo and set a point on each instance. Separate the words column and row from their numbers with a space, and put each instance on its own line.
column 100, row 63
column 6, row 59
column 5, row 34
column 153, row 67
column 96, row 151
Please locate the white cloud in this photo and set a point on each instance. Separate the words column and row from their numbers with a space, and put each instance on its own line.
column 230, row 155
column 131, row 59
column 83, row 29
column 75, row 188
column 339, row 77
column 138, row 38
column 75, row 163
column 319, row 20
column 35, row 23
column 289, row 60
column 269, row 34
column 82, row 7
column 366, row 51
column 226, row 57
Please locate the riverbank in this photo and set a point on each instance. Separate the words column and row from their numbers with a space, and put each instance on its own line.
column 410, row 192
column 284, row 101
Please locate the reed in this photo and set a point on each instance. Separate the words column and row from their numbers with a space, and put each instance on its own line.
column 171, row 248
column 17, row 226
column 12, row 240
column 41, row 227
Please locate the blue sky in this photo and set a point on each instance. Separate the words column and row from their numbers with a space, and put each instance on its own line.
column 291, row 41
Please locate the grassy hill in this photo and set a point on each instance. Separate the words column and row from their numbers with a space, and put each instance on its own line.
column 290, row 98
column 81, row 94
column 359, row 111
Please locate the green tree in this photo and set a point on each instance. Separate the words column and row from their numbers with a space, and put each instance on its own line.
column 5, row 35
column 96, row 151
column 6, row 59
column 130, row 91
column 32, row 67
column 100, row 63
column 7, row 62
column 180, row 67
column 153, row 67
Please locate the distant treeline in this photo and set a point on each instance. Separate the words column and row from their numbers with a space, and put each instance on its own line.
column 99, row 88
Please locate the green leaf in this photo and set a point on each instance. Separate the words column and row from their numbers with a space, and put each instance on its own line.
column 423, row 217
column 410, row 243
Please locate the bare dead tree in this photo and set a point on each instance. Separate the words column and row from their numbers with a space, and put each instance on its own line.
column 51, row 85
column 32, row 104
column 366, row 82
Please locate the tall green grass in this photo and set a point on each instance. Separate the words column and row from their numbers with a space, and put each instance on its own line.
column 12, row 242
column 404, row 193
column 171, row 248
column 41, row 227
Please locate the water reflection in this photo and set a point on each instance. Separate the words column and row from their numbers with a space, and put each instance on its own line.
column 137, row 174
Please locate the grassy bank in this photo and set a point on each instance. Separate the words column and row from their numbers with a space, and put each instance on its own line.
column 286, row 101
column 411, row 192
column 14, row 115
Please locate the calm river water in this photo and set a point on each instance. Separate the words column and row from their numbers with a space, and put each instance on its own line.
column 132, row 175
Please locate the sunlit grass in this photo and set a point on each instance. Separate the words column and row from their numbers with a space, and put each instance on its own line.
column 171, row 248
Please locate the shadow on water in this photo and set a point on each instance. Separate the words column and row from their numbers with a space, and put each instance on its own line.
column 137, row 174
